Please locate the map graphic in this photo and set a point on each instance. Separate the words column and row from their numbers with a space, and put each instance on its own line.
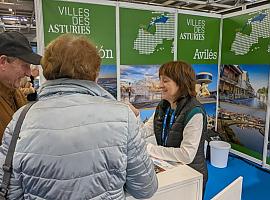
column 147, row 40
column 256, row 27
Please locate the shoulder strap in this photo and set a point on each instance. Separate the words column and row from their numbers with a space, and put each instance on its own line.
column 7, row 166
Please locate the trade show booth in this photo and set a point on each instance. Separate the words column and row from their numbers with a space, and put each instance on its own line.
column 229, row 54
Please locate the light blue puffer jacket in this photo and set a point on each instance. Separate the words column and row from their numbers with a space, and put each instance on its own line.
column 77, row 142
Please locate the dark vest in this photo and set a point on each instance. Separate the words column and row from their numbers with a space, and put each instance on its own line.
column 175, row 133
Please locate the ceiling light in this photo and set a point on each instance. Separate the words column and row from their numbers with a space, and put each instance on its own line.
column 10, row 18
column 10, row 9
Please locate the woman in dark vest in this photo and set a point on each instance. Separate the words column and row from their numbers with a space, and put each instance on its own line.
column 180, row 121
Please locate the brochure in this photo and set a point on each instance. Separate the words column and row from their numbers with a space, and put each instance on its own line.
column 161, row 165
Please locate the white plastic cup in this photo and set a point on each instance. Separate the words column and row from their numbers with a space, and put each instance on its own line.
column 219, row 152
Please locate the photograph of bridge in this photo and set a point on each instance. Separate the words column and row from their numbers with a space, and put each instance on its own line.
column 243, row 91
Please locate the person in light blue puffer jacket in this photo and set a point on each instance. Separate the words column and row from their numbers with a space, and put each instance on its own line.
column 77, row 141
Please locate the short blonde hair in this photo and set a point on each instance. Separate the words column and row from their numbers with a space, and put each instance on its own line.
column 71, row 56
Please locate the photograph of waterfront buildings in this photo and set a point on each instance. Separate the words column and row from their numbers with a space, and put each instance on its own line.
column 243, row 91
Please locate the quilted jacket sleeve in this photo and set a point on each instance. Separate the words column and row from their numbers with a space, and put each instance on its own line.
column 141, row 177
column 15, row 187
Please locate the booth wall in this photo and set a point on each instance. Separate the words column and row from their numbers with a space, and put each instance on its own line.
column 134, row 40
column 148, row 36
column 244, row 81
column 146, row 41
column 92, row 20
column 198, row 44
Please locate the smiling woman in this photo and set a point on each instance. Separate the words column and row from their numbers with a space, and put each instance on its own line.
column 179, row 122
column 177, row 79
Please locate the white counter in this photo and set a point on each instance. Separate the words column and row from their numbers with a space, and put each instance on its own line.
column 179, row 183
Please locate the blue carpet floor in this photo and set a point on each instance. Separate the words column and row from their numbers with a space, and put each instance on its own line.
column 256, row 182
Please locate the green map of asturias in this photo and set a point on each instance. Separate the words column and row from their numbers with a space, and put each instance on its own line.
column 146, row 42
column 259, row 25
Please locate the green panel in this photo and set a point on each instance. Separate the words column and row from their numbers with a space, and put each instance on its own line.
column 246, row 151
column 146, row 37
column 198, row 39
column 94, row 21
column 246, row 38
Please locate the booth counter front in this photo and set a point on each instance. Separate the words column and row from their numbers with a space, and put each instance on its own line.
column 179, row 183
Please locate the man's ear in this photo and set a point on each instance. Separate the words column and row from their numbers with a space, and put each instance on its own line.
column 3, row 61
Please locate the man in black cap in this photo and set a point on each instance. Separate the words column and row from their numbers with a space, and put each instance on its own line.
column 16, row 55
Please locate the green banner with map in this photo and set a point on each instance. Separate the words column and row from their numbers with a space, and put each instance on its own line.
column 94, row 21
column 246, row 38
column 198, row 39
column 146, row 37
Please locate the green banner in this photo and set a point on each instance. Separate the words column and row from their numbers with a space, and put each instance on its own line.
column 94, row 21
column 198, row 39
column 146, row 37
column 246, row 38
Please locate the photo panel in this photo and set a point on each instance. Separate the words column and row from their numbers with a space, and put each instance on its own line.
column 206, row 89
column 243, row 91
column 139, row 85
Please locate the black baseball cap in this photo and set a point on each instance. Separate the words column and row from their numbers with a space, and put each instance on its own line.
column 15, row 44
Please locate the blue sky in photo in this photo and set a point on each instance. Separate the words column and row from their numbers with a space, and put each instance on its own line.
column 146, row 113
column 210, row 109
column 258, row 75
column 107, row 71
column 138, row 72
column 211, row 68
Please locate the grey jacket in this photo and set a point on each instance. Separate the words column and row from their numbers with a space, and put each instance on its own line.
column 77, row 142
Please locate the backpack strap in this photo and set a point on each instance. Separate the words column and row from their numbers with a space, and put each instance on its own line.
column 7, row 166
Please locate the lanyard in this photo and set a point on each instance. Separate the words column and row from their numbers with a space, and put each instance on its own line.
column 165, row 130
